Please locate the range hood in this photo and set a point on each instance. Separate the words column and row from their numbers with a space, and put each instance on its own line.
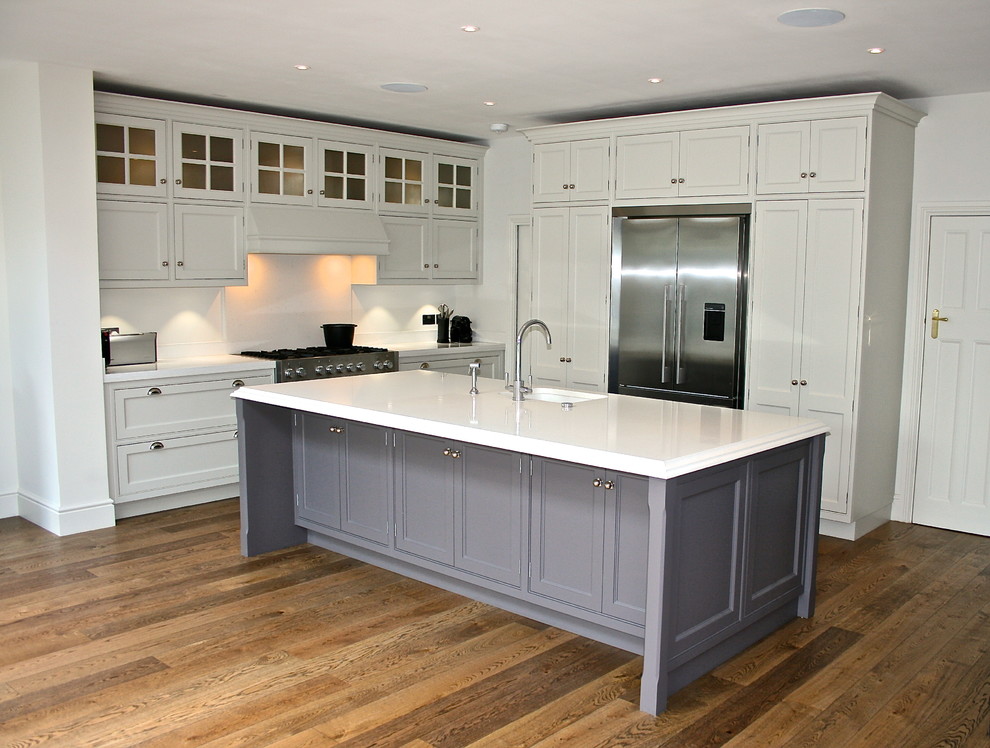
column 301, row 230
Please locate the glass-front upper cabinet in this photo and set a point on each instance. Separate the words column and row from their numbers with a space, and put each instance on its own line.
column 345, row 175
column 403, row 185
column 130, row 156
column 206, row 161
column 279, row 173
column 454, row 188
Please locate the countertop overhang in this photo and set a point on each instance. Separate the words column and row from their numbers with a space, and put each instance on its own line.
column 655, row 438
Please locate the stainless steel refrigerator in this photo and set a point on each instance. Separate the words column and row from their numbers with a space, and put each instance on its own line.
column 678, row 304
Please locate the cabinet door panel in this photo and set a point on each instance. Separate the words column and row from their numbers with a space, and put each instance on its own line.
column 776, row 287
column 715, row 161
column 209, row 243
column 589, row 169
column 704, row 556
column 344, row 173
column 567, row 533
column 318, row 468
column 206, row 162
column 587, row 316
column 551, row 237
column 408, row 255
column 281, row 169
column 133, row 240
column 365, row 502
column 775, row 559
column 551, row 170
column 424, row 510
column 782, row 157
column 455, row 249
column 487, row 513
column 645, row 166
column 627, row 538
column 130, row 156
column 830, row 333
column 838, row 155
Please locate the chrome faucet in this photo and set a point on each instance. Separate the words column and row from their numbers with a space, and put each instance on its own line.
column 517, row 387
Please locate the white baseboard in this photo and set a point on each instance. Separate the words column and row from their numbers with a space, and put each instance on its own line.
column 174, row 501
column 8, row 505
column 854, row 530
column 66, row 521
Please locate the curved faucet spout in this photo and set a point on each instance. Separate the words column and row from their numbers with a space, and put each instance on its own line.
column 517, row 387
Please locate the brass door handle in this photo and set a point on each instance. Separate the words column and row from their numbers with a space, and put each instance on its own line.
column 935, row 320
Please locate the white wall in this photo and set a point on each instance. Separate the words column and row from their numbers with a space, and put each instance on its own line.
column 8, row 444
column 50, row 252
column 952, row 148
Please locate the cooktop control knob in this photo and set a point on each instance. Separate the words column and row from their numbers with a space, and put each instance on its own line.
column 379, row 365
column 319, row 371
column 289, row 373
column 340, row 367
column 359, row 366
column 301, row 371
column 350, row 367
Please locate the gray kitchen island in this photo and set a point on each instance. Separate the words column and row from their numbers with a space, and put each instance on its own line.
column 682, row 532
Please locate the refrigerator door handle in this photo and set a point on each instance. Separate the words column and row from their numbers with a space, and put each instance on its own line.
column 664, row 367
column 679, row 334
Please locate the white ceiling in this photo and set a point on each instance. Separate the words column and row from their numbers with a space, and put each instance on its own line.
column 541, row 61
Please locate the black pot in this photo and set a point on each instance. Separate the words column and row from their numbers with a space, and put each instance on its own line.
column 339, row 335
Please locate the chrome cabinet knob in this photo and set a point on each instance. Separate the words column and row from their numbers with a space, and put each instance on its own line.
column 804, row 382
column 812, row 175
column 804, row 175
column 597, row 482
column 793, row 381
column 609, row 485
column 674, row 180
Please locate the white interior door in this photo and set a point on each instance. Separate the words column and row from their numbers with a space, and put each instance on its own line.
column 952, row 488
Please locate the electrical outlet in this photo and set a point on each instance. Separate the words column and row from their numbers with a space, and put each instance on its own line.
column 429, row 319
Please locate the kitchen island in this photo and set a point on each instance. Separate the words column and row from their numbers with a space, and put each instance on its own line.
column 682, row 532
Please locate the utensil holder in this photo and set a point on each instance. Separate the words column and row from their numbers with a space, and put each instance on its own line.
column 443, row 330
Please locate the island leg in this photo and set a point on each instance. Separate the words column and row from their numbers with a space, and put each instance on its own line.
column 654, row 686
column 264, row 448
column 816, row 455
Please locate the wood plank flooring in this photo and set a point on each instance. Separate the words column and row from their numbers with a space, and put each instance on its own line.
column 158, row 633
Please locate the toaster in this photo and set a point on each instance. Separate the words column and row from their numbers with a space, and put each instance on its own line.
column 132, row 348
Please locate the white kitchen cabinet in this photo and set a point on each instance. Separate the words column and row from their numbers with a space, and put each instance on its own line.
column 173, row 435
column 155, row 244
column 826, row 155
column 345, row 176
column 571, row 171
column 280, row 171
column 570, row 271
column 431, row 184
column 206, row 162
column 456, row 360
column 692, row 163
column 130, row 156
column 805, row 325
column 425, row 250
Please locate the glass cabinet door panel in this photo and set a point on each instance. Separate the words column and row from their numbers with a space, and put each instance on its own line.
column 402, row 185
column 129, row 155
column 455, row 186
column 344, row 176
column 207, row 161
column 280, row 173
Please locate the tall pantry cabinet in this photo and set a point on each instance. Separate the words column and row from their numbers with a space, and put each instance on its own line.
column 828, row 184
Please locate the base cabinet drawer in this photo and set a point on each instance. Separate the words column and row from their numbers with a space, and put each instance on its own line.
column 184, row 463
column 168, row 408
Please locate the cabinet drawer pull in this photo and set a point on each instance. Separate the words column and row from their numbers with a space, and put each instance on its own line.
column 237, row 383
column 157, row 445
column 154, row 391
column 425, row 365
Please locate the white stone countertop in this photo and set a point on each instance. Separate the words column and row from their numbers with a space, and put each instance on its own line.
column 181, row 367
column 656, row 438
column 411, row 350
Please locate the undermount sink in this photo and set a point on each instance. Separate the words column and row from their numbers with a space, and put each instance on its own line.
column 553, row 395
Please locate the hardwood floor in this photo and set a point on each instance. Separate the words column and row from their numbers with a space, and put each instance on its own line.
column 158, row 633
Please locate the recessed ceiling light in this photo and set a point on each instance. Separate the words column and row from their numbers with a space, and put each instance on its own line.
column 876, row 50
column 488, row 103
column 498, row 127
column 807, row 18
column 301, row 67
column 470, row 29
column 655, row 80
column 405, row 87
